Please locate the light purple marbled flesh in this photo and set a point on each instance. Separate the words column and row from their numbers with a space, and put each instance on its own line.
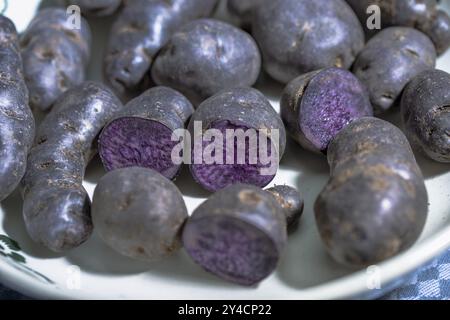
column 138, row 142
column 214, row 177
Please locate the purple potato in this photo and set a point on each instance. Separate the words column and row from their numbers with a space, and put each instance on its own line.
column 141, row 134
column 142, row 28
column 426, row 113
column 98, row 8
column 234, row 109
column 238, row 234
column 205, row 57
column 139, row 213
column 291, row 202
column 243, row 10
column 299, row 36
column 55, row 55
column 56, row 207
column 390, row 60
column 375, row 203
column 16, row 120
column 420, row 14
column 319, row 104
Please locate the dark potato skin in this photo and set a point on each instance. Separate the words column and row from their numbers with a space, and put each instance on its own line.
column 142, row 28
column 299, row 36
column 54, row 55
column 375, row 203
column 291, row 202
column 139, row 213
column 16, row 119
column 243, row 10
column 206, row 56
column 56, row 207
column 426, row 113
column 317, row 105
column 390, row 60
column 238, row 108
column 140, row 135
column 98, row 8
column 420, row 14
column 238, row 234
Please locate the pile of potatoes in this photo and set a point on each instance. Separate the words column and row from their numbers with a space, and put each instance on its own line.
column 170, row 64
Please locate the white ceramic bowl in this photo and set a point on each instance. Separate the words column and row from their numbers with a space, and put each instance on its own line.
column 305, row 272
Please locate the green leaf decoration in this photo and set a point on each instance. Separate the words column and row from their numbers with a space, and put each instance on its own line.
column 1, row 247
column 3, row 6
column 3, row 254
column 17, row 257
column 10, row 243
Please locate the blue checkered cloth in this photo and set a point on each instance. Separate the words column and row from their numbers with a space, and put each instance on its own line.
column 429, row 283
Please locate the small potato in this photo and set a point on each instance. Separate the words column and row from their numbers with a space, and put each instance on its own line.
column 139, row 213
column 426, row 113
column 390, row 60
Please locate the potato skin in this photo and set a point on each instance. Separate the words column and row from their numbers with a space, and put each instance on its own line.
column 139, row 213
column 291, row 202
column 317, row 105
column 206, row 56
column 56, row 207
column 390, row 60
column 253, row 212
column 142, row 28
column 375, row 203
column 300, row 36
column 420, row 14
column 426, row 113
column 16, row 120
column 54, row 55
column 98, row 8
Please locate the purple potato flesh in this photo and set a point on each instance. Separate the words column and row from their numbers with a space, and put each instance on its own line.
column 56, row 207
column 217, row 176
column 238, row 234
column 141, row 134
column 300, row 36
column 238, row 108
column 206, row 56
column 55, row 56
column 142, row 28
column 375, row 204
column 17, row 126
column 423, row 15
column 426, row 113
column 391, row 59
column 317, row 105
column 139, row 213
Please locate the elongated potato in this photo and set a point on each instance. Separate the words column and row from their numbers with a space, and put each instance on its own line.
column 55, row 55
column 16, row 119
column 142, row 28
column 375, row 203
column 56, row 207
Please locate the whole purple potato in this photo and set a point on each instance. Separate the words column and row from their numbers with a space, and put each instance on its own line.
column 239, row 110
column 56, row 207
column 426, row 113
column 141, row 134
column 375, row 203
column 238, row 234
column 55, row 55
column 139, row 213
column 420, row 14
column 16, row 119
column 98, row 8
column 291, row 202
column 206, row 56
column 390, row 60
column 142, row 28
column 319, row 104
column 299, row 36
